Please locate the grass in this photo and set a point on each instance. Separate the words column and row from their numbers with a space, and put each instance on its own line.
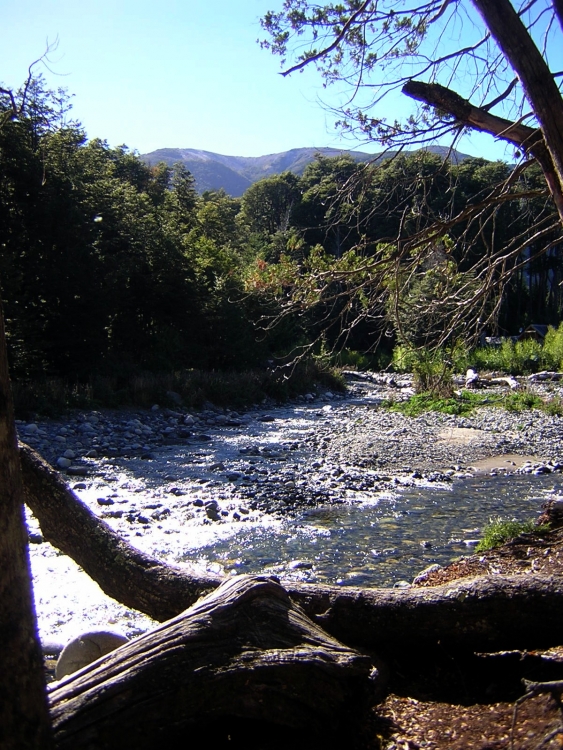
column 458, row 405
column 468, row 401
column 499, row 530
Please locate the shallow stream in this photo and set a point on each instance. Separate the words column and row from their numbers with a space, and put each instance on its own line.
column 383, row 541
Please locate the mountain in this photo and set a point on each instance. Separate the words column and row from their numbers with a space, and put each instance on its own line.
column 234, row 174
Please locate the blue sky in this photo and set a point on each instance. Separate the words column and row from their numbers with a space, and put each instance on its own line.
column 176, row 73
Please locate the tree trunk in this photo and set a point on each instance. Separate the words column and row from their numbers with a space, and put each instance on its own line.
column 484, row 613
column 537, row 80
column 24, row 721
column 244, row 654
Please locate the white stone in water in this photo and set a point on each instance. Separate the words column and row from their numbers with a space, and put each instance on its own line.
column 300, row 565
column 86, row 648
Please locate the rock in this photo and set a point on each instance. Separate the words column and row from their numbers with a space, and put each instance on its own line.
column 471, row 378
column 63, row 463
column 212, row 512
column 423, row 575
column 86, row 648
column 300, row 565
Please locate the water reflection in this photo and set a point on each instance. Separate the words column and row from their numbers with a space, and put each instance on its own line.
column 384, row 541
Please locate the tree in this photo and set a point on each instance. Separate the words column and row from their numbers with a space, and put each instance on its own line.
column 267, row 205
column 498, row 81
column 24, row 718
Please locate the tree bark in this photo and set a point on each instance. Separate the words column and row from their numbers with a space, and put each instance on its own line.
column 24, row 721
column 484, row 613
column 245, row 653
column 537, row 80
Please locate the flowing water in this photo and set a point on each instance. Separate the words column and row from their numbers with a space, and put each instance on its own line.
column 381, row 541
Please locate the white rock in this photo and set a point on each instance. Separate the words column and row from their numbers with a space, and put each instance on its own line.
column 86, row 648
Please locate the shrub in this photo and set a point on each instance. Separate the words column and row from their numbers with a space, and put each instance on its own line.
column 499, row 530
column 552, row 353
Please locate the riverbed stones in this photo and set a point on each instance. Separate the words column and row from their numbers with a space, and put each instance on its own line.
column 292, row 457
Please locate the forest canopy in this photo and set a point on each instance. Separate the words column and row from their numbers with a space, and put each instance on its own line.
column 109, row 265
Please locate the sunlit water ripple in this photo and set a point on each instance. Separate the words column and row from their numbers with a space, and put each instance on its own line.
column 384, row 541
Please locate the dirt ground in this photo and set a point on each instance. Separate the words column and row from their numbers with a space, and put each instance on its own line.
column 480, row 714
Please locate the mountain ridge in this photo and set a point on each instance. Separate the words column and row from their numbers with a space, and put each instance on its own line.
column 235, row 174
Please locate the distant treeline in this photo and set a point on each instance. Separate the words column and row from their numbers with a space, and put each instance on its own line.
column 108, row 266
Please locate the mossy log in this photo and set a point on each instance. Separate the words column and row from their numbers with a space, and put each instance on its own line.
column 243, row 657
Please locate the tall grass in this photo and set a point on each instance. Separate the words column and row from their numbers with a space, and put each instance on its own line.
column 522, row 357
column 511, row 357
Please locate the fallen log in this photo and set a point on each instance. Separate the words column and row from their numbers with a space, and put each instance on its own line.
column 484, row 613
column 244, row 654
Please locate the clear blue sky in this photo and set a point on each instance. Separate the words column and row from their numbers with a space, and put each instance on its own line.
column 175, row 73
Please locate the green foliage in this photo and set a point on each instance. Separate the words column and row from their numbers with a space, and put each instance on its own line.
column 522, row 357
column 457, row 405
column 432, row 369
column 522, row 401
column 110, row 267
column 499, row 530
column 376, row 361
column 552, row 351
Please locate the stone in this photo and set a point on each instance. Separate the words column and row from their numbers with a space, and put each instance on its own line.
column 471, row 378
column 423, row 575
column 87, row 648
column 63, row 463
column 300, row 565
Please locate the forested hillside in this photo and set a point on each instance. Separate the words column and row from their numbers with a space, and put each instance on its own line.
column 109, row 265
column 235, row 174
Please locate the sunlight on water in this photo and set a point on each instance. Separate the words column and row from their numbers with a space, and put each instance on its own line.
column 381, row 542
